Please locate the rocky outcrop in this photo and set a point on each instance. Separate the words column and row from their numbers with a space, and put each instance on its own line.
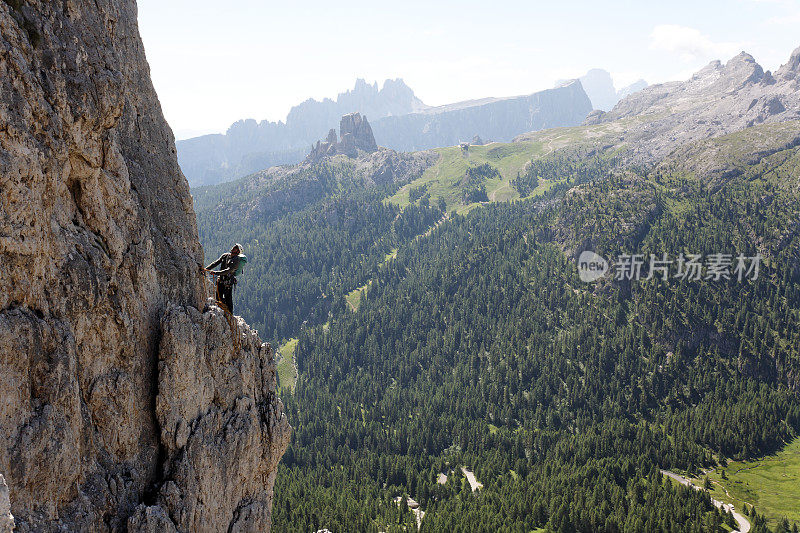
column 222, row 426
column 6, row 518
column 98, row 243
column 356, row 134
column 356, row 137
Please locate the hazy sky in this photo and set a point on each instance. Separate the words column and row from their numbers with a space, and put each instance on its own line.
column 215, row 62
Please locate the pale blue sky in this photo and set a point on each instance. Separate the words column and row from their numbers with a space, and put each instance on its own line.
column 215, row 62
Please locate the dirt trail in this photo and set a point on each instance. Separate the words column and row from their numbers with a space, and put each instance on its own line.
column 473, row 482
column 492, row 196
column 744, row 524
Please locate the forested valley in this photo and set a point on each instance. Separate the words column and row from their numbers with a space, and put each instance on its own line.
column 479, row 347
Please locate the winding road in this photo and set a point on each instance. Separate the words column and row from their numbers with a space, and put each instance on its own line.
column 744, row 524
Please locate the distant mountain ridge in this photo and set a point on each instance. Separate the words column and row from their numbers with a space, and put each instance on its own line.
column 400, row 121
column 249, row 145
column 600, row 89
column 498, row 119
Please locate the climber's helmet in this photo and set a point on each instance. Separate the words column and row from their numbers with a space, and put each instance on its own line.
column 237, row 249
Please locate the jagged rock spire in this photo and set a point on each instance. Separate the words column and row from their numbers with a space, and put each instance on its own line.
column 356, row 136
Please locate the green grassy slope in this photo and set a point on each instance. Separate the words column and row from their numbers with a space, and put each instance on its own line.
column 442, row 179
column 771, row 484
column 287, row 372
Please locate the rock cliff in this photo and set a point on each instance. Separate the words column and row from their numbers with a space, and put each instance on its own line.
column 125, row 399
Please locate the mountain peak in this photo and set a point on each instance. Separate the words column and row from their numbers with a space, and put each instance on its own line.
column 743, row 69
column 739, row 71
column 362, row 86
column 395, row 98
column 742, row 57
column 397, row 83
column 791, row 69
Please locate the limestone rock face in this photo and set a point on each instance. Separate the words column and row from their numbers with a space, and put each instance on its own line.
column 356, row 134
column 220, row 420
column 98, row 243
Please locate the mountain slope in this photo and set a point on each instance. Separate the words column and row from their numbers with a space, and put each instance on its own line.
column 476, row 345
column 718, row 99
column 108, row 419
column 480, row 346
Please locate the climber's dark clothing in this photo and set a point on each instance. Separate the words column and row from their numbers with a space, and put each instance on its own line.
column 230, row 265
column 225, row 293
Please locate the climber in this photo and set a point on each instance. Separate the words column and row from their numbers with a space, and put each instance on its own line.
column 231, row 265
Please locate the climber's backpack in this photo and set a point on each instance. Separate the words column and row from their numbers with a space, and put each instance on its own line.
column 240, row 266
column 239, row 270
